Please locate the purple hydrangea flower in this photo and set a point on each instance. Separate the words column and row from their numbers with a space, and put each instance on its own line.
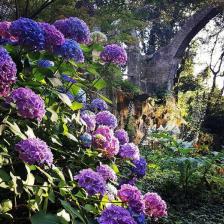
column 140, row 167
column 28, row 32
column 104, row 141
column 34, row 151
column 45, row 63
column 53, row 37
column 29, row 104
column 70, row 50
column 154, row 205
column 88, row 118
column 91, row 181
column 132, row 196
column 4, row 90
column 129, row 151
column 106, row 118
column 115, row 215
column 68, row 79
column 122, row 136
column 98, row 105
column 4, row 29
column 7, row 68
column 114, row 54
column 86, row 139
column 106, row 172
column 74, row 28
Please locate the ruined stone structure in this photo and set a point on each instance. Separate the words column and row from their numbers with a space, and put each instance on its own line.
column 156, row 73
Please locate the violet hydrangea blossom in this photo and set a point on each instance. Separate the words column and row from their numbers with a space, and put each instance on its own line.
column 7, row 72
column 106, row 118
column 104, row 140
column 122, row 136
column 69, row 50
column 115, row 214
column 132, row 196
column 88, row 118
column 113, row 53
column 34, row 151
column 91, row 181
column 154, row 205
column 106, row 172
column 29, row 104
column 98, row 105
column 53, row 37
column 74, row 28
column 140, row 167
column 129, row 151
column 28, row 32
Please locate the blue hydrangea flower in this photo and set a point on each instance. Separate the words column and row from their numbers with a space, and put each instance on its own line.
column 80, row 96
column 140, row 167
column 138, row 217
column 68, row 79
column 122, row 136
column 28, row 32
column 67, row 92
column 74, row 28
column 45, row 63
column 70, row 50
column 86, row 139
column 98, row 105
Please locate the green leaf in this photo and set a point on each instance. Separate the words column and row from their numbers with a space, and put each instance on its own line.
column 76, row 106
column 15, row 129
column 42, row 218
column 54, row 115
column 6, row 205
column 72, row 211
column 106, row 99
column 29, row 133
column 55, row 82
column 115, row 168
column 99, row 84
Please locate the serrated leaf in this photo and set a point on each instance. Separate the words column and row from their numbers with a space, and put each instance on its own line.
column 99, row 84
column 76, row 106
column 55, row 82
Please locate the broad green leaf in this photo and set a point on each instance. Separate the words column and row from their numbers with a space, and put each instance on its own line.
column 106, row 99
column 99, row 84
column 115, row 168
column 42, row 218
column 15, row 129
column 64, row 216
column 55, row 82
column 29, row 133
column 59, row 173
column 76, row 106
column 6, row 205
column 54, row 115
column 72, row 211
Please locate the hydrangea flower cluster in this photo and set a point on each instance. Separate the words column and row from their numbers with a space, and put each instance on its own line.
column 106, row 172
column 106, row 118
column 140, row 167
column 154, row 205
column 88, row 119
column 129, row 151
column 34, row 151
column 7, row 72
column 80, row 96
column 132, row 196
column 74, row 28
column 67, row 78
column 104, row 141
column 98, row 105
column 28, row 33
column 122, row 136
column 91, row 181
column 45, row 63
column 116, row 214
column 114, row 54
column 53, row 37
column 69, row 50
column 86, row 139
column 29, row 104
column 5, row 36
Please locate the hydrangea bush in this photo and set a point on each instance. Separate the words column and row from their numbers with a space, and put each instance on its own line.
column 63, row 157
